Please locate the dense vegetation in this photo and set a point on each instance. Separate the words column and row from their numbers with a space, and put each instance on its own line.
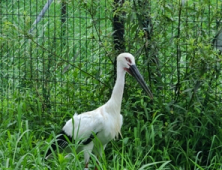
column 66, row 65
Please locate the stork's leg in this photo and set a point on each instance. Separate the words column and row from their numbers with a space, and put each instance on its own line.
column 86, row 161
column 97, row 162
column 99, row 154
column 86, row 167
column 87, row 149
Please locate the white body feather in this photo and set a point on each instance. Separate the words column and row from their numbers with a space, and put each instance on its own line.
column 97, row 121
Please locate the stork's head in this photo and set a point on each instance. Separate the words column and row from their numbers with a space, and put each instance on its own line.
column 126, row 61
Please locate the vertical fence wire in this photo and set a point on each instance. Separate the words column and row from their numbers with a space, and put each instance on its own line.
column 1, row 63
column 69, row 54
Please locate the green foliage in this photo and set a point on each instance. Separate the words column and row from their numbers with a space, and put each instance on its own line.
column 64, row 68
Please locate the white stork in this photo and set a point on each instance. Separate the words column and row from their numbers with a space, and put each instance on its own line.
column 105, row 122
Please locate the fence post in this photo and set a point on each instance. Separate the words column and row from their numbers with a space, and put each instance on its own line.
column 118, row 28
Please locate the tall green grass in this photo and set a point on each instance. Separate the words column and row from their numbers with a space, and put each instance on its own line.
column 24, row 147
column 145, row 145
column 43, row 82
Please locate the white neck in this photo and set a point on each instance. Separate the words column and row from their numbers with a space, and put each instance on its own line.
column 118, row 89
column 116, row 98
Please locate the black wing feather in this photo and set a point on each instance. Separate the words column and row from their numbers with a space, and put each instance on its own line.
column 87, row 141
column 62, row 141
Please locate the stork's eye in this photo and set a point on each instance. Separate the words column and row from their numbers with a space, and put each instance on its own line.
column 127, row 59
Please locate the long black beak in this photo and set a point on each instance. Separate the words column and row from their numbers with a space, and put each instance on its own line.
column 133, row 70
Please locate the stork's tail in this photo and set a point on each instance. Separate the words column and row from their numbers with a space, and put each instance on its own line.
column 62, row 140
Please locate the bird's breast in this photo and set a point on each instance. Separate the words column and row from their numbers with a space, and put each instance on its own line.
column 112, row 127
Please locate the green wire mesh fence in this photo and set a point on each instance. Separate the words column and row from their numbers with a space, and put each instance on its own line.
column 59, row 56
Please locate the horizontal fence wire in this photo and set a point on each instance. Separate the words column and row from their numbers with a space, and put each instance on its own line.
column 65, row 62
column 63, row 56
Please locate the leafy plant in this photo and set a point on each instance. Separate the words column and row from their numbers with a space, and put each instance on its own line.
column 66, row 67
